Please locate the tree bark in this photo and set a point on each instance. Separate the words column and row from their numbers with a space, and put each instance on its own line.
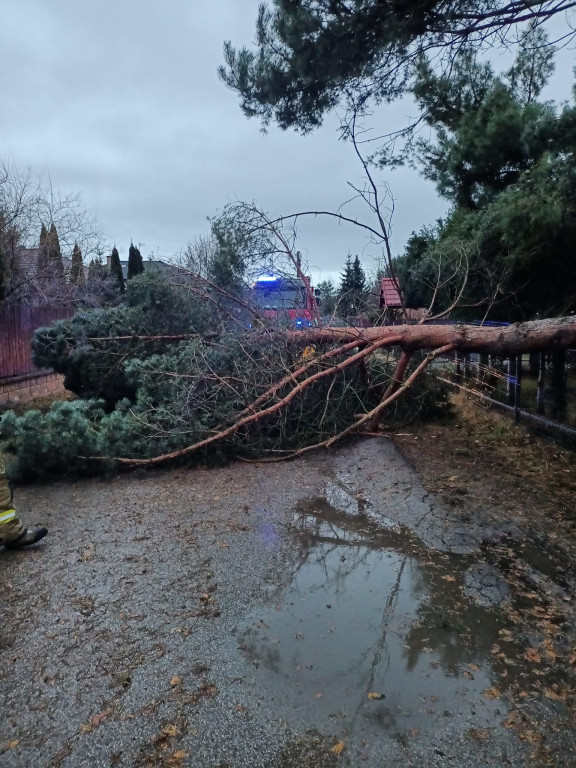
column 533, row 336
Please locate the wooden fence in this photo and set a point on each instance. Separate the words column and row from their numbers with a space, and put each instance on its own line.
column 17, row 326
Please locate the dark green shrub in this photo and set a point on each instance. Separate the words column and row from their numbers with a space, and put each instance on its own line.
column 91, row 348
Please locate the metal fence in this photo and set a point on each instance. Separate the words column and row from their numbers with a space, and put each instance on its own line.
column 17, row 326
column 539, row 389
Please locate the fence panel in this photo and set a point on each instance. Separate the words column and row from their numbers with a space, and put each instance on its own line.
column 17, row 326
column 540, row 387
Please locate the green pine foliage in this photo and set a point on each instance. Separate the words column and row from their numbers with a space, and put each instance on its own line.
column 77, row 267
column 135, row 262
column 51, row 444
column 42, row 263
column 95, row 369
column 507, row 163
column 116, row 270
column 312, row 56
column 352, row 292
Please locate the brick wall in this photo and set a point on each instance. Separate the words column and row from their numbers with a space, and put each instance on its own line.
column 22, row 389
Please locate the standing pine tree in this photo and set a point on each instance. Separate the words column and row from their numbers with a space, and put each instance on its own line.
column 116, row 269
column 328, row 296
column 42, row 263
column 3, row 274
column 96, row 270
column 77, row 267
column 135, row 263
column 359, row 276
column 352, row 287
column 55, row 263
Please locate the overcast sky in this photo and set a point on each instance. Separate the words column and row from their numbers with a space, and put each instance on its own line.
column 120, row 100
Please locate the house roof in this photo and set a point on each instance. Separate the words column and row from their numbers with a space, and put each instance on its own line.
column 390, row 293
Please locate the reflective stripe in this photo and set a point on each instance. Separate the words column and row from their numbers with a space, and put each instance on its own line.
column 10, row 514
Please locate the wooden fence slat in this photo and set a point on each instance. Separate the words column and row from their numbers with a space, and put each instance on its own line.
column 17, row 326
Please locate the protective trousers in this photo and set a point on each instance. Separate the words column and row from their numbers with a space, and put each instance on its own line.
column 11, row 526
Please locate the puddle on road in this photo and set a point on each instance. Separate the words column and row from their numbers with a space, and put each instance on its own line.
column 366, row 609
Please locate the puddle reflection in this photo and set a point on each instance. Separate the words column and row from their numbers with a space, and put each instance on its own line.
column 366, row 609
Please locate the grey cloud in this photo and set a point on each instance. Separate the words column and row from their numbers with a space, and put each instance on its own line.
column 121, row 100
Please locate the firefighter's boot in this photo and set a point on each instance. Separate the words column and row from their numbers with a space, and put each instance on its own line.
column 29, row 536
column 13, row 533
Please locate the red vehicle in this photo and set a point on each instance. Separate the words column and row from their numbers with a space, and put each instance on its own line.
column 286, row 300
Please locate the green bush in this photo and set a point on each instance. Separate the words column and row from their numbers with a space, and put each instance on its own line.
column 96, row 369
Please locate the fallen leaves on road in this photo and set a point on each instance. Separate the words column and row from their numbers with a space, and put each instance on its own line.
column 532, row 654
column 174, row 681
column 338, row 748
column 374, row 696
column 205, row 598
column 479, row 734
column 555, row 695
column 96, row 720
column 532, row 737
column 12, row 744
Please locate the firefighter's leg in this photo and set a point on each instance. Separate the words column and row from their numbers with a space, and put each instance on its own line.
column 13, row 533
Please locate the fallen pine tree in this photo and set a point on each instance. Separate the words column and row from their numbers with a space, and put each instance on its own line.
column 438, row 339
column 254, row 394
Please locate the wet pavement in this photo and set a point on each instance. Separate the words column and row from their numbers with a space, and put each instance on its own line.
column 321, row 612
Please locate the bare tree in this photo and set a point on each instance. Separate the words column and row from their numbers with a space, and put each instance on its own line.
column 265, row 244
column 26, row 205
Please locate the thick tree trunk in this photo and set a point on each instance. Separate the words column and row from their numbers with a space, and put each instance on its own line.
column 533, row 336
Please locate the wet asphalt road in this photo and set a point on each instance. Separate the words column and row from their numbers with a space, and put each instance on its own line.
column 212, row 618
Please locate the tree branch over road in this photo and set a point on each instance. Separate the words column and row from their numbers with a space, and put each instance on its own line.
column 438, row 339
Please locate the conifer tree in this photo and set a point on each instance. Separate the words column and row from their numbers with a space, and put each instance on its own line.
column 328, row 296
column 77, row 268
column 96, row 270
column 3, row 275
column 352, row 286
column 42, row 263
column 313, row 55
column 135, row 263
column 55, row 263
column 358, row 276
column 116, row 269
